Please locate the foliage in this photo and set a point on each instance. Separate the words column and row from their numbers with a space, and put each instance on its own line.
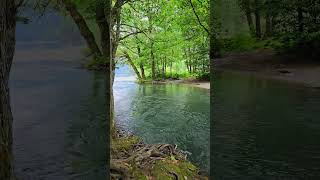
column 288, row 26
column 170, row 41
column 307, row 45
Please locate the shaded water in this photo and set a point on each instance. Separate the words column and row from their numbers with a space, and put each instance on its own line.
column 59, row 114
column 265, row 129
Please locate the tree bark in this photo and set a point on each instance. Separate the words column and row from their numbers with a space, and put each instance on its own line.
column 150, row 29
column 8, row 12
column 153, row 64
column 273, row 23
column 134, row 67
column 214, row 50
column 198, row 18
column 103, row 19
column 268, row 25
column 250, row 22
column 258, row 18
column 143, row 76
column 248, row 11
column 82, row 26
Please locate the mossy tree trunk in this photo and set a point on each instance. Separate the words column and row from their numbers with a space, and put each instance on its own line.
column 134, row 67
column 105, row 23
column 8, row 12
column 103, row 19
column 82, row 26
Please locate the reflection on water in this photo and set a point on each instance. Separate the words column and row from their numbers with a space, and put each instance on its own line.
column 170, row 113
column 265, row 129
column 59, row 117
column 59, row 128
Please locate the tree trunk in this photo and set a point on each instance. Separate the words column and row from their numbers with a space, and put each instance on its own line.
column 163, row 69
column 82, row 26
column 248, row 11
column 250, row 22
column 132, row 64
column 8, row 13
column 116, row 19
column 258, row 18
column 300, row 19
column 214, row 50
column 158, row 68
column 103, row 19
column 165, row 65
column 153, row 64
column 268, row 25
column 273, row 24
column 143, row 76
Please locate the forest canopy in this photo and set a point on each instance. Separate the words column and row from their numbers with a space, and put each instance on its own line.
column 159, row 39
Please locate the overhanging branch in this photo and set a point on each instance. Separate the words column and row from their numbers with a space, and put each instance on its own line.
column 195, row 13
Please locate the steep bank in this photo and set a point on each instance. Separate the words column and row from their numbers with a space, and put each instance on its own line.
column 268, row 64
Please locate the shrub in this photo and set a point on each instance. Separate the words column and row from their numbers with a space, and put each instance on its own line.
column 306, row 45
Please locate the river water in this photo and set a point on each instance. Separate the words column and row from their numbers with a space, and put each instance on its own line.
column 167, row 113
column 59, row 113
column 58, row 110
column 265, row 129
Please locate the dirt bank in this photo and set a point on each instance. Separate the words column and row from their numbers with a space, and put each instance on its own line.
column 268, row 64
column 190, row 82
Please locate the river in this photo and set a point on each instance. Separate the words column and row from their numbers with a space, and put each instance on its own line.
column 265, row 129
column 165, row 113
column 59, row 113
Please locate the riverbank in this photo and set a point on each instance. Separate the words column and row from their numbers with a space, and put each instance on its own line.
column 189, row 82
column 133, row 159
column 268, row 64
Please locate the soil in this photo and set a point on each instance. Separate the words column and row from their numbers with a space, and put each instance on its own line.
column 266, row 63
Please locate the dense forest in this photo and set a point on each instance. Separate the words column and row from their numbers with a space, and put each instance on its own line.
column 162, row 39
column 287, row 26
column 169, row 39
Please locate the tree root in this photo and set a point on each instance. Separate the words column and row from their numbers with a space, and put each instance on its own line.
column 143, row 157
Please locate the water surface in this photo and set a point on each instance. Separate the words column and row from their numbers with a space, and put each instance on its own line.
column 59, row 119
column 265, row 129
column 59, row 115
column 167, row 113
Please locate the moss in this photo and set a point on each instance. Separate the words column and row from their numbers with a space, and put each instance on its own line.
column 171, row 168
column 167, row 169
column 138, row 173
column 124, row 143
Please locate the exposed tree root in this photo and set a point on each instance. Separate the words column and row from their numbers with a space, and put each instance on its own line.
column 140, row 160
